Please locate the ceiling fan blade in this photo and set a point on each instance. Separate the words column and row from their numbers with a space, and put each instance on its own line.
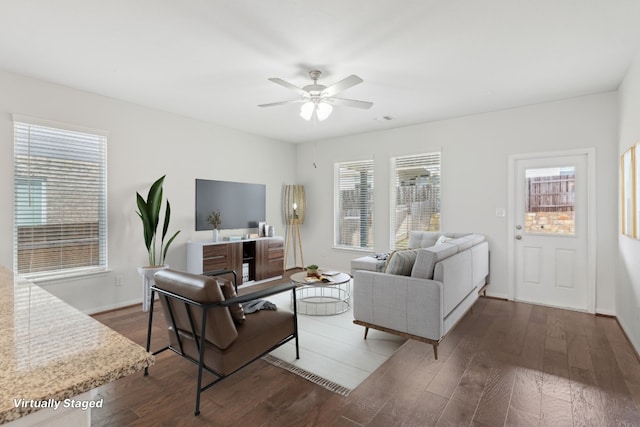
column 288, row 85
column 349, row 103
column 343, row 84
column 273, row 104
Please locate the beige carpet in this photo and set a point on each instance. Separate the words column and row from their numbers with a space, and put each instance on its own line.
column 333, row 351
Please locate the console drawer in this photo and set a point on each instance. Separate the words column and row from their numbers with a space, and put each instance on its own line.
column 211, row 251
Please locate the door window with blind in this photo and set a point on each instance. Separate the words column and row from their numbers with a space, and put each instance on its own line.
column 59, row 200
column 354, row 204
column 415, row 196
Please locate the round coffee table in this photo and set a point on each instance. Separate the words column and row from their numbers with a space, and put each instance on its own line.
column 322, row 298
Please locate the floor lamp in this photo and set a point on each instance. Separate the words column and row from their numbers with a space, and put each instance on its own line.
column 294, row 207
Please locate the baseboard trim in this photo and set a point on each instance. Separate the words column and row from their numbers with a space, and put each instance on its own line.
column 635, row 351
column 613, row 316
column 610, row 316
column 113, row 307
column 496, row 298
column 605, row 312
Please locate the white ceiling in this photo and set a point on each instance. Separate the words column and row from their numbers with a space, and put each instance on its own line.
column 421, row 60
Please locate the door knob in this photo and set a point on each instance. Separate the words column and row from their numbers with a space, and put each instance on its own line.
column 518, row 237
column 518, row 227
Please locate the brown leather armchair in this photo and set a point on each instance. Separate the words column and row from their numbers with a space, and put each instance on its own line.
column 211, row 330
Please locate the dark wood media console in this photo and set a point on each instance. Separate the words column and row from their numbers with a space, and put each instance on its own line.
column 264, row 258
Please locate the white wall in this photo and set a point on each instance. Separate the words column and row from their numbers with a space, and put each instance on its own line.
column 475, row 151
column 143, row 144
column 628, row 267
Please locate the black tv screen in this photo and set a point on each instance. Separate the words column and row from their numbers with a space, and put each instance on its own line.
column 241, row 205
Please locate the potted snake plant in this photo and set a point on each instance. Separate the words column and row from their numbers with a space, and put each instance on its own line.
column 149, row 213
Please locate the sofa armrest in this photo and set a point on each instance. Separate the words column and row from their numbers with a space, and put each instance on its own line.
column 401, row 303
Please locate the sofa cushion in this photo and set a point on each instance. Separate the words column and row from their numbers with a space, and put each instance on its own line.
column 369, row 263
column 427, row 258
column 462, row 243
column 401, row 262
column 229, row 291
column 422, row 239
column 467, row 241
column 456, row 235
column 476, row 238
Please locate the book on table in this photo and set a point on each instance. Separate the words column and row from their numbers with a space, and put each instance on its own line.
column 330, row 273
column 318, row 279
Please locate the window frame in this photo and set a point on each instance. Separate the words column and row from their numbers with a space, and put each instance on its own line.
column 366, row 208
column 432, row 162
column 64, row 149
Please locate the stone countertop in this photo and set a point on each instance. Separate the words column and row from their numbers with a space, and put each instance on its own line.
column 50, row 350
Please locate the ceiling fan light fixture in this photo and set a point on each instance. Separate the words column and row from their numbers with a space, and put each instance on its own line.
column 323, row 110
column 318, row 100
column 307, row 109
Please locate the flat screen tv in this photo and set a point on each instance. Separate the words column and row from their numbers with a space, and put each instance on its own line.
column 241, row 205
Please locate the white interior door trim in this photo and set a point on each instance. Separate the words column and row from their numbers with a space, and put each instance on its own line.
column 591, row 218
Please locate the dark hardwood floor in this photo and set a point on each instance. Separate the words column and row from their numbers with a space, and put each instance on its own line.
column 505, row 363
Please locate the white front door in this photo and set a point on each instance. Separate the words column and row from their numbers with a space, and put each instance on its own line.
column 550, row 230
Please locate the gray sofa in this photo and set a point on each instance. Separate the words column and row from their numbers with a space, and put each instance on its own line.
column 425, row 290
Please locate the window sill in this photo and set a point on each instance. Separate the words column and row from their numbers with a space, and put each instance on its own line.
column 352, row 249
column 44, row 279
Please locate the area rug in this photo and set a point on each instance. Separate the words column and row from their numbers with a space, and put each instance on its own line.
column 333, row 351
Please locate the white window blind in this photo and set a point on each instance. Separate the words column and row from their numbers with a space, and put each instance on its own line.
column 415, row 196
column 59, row 200
column 353, row 204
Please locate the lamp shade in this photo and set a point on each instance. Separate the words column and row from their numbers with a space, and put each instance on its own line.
column 323, row 110
column 307, row 110
column 315, row 108
column 294, row 204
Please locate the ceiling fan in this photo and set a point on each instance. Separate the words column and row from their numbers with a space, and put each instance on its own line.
column 318, row 100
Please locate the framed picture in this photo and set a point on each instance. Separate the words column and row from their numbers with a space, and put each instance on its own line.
column 261, row 229
column 636, row 190
column 628, row 191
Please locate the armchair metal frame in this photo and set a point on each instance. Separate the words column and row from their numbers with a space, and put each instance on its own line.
column 200, row 340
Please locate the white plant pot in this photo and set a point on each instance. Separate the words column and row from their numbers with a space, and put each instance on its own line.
column 215, row 234
column 148, row 281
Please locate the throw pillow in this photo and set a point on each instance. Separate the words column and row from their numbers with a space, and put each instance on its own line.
column 401, row 262
column 229, row 291
column 388, row 260
column 425, row 261
column 443, row 239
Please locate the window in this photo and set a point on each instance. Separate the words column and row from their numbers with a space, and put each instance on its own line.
column 415, row 196
column 354, row 204
column 59, row 200
column 550, row 200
